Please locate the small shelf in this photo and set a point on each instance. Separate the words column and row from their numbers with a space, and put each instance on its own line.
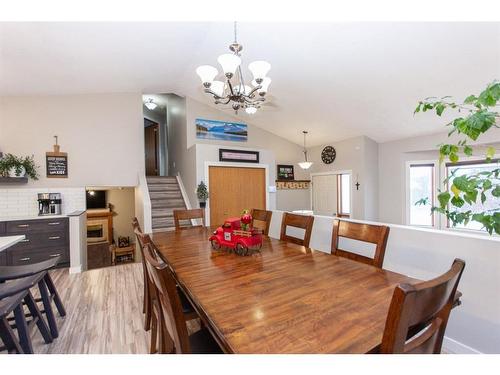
column 13, row 180
column 292, row 184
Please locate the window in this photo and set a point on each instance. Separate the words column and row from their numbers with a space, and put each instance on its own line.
column 469, row 168
column 420, row 189
column 344, row 195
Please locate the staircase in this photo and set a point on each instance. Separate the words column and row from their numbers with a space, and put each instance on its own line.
column 165, row 196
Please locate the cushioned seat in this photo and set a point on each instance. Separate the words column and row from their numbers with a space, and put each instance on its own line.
column 202, row 342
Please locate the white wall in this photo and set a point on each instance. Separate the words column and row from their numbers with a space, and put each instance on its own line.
column 182, row 131
column 474, row 326
column 102, row 134
column 123, row 201
column 392, row 160
column 359, row 155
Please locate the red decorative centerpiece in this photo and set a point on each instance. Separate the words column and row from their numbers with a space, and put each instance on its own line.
column 238, row 235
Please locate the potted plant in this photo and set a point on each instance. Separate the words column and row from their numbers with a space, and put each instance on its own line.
column 202, row 194
column 17, row 166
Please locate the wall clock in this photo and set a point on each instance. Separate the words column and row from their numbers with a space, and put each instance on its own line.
column 328, row 155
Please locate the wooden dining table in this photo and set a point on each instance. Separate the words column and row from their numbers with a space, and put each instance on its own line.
column 283, row 299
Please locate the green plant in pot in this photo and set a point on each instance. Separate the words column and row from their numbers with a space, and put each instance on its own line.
column 202, row 194
column 18, row 166
column 479, row 114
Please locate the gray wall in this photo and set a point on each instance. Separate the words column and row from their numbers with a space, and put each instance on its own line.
column 392, row 163
column 360, row 156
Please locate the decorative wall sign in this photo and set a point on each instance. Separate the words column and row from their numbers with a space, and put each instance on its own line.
column 221, row 130
column 285, row 172
column 240, row 156
column 292, row 185
column 57, row 162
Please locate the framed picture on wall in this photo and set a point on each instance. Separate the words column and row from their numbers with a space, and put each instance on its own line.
column 239, row 156
column 221, row 130
column 285, row 172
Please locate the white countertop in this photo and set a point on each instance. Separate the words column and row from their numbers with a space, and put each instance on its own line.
column 15, row 218
column 8, row 241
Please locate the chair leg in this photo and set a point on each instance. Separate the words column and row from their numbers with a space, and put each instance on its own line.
column 36, row 314
column 154, row 336
column 146, row 296
column 9, row 338
column 55, row 295
column 149, row 308
column 22, row 329
column 47, row 306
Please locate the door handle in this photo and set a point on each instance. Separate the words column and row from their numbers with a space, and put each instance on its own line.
column 25, row 259
column 54, row 223
column 54, row 237
column 54, row 255
column 23, row 225
column 25, row 240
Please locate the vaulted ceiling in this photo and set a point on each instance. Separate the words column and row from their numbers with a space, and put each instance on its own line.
column 337, row 80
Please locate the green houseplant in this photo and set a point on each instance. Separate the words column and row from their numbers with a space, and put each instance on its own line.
column 479, row 115
column 202, row 194
column 18, row 166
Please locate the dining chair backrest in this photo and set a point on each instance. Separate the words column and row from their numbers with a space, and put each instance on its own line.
column 170, row 303
column 419, row 313
column 179, row 215
column 375, row 234
column 263, row 216
column 297, row 221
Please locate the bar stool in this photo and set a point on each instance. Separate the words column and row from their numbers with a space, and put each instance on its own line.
column 48, row 292
column 12, row 296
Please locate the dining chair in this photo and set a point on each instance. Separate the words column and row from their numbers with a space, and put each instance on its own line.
column 418, row 314
column 297, row 221
column 46, row 287
column 262, row 216
column 146, row 305
column 197, row 213
column 13, row 296
column 176, row 338
column 375, row 234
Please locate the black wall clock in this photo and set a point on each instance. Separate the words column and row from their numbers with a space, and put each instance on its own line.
column 328, row 155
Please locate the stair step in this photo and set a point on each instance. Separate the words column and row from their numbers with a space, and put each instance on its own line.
column 162, row 212
column 168, row 203
column 163, row 187
column 162, row 222
column 165, row 194
column 161, row 180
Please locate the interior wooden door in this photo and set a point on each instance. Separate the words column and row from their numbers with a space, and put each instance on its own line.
column 324, row 194
column 234, row 189
column 151, row 147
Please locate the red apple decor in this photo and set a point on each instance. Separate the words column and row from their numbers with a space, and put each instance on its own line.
column 246, row 219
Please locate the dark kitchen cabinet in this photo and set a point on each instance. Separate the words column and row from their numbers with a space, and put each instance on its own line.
column 44, row 238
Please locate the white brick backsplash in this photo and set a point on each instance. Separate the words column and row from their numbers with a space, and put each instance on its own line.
column 23, row 202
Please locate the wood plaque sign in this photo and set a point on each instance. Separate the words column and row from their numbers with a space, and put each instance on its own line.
column 57, row 163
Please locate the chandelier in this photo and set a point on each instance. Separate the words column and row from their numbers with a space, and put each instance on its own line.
column 232, row 89
column 305, row 164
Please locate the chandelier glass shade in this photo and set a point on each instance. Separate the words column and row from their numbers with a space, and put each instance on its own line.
column 231, row 88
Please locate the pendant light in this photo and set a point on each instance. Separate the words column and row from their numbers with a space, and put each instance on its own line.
column 305, row 164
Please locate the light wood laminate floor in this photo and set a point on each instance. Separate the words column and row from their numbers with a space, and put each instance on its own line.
column 104, row 312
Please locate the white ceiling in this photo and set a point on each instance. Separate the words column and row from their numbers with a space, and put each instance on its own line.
column 337, row 80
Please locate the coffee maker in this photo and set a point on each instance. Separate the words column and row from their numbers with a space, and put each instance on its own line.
column 49, row 204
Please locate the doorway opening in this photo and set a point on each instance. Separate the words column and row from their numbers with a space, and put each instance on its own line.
column 331, row 194
column 154, row 111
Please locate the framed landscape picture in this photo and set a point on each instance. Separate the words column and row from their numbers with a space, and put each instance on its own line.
column 221, row 130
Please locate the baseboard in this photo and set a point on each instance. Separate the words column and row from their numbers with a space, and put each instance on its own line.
column 454, row 347
column 77, row 269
